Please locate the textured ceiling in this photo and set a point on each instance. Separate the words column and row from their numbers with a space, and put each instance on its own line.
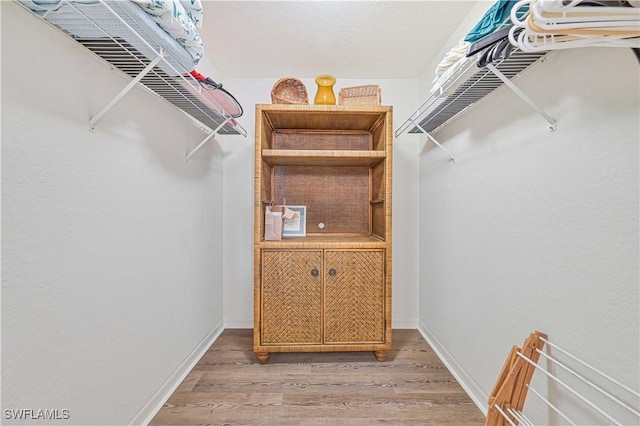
column 348, row 39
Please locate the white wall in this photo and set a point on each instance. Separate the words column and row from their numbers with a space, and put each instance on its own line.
column 111, row 242
column 537, row 230
column 238, row 201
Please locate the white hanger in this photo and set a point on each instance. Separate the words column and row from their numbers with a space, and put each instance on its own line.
column 579, row 19
column 558, row 6
column 558, row 33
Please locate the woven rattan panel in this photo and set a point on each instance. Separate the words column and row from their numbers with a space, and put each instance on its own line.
column 354, row 306
column 379, row 139
column 377, row 182
column 336, row 196
column 378, row 220
column 265, row 190
column 291, row 297
column 322, row 140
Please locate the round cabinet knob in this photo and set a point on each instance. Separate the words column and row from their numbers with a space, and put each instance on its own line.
column 314, row 272
column 332, row 272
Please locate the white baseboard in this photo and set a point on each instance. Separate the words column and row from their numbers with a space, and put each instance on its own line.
column 162, row 395
column 468, row 384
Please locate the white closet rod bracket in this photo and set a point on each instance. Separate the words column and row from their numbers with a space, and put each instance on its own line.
column 123, row 92
column 209, row 136
column 523, row 96
column 438, row 144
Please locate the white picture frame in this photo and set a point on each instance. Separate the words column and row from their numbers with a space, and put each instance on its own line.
column 296, row 227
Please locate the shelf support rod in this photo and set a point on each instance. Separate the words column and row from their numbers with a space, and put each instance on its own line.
column 524, row 97
column 126, row 90
column 209, row 136
column 438, row 144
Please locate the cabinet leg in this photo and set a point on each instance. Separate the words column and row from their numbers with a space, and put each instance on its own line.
column 263, row 357
column 380, row 355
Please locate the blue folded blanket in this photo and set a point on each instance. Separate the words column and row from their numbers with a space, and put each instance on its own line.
column 494, row 18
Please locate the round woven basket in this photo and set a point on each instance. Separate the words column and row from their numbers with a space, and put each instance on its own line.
column 289, row 90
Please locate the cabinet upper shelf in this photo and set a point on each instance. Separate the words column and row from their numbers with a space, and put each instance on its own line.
column 322, row 117
column 323, row 134
column 296, row 157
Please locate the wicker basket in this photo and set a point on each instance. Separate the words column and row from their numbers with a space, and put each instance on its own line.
column 361, row 95
column 289, row 90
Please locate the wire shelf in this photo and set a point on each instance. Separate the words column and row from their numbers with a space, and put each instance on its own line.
column 463, row 89
column 113, row 31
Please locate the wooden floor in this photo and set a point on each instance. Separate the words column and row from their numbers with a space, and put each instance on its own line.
column 229, row 387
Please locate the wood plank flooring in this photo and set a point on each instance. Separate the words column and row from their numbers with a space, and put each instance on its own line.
column 229, row 387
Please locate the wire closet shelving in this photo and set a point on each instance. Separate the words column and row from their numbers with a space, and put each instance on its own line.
column 110, row 30
column 466, row 86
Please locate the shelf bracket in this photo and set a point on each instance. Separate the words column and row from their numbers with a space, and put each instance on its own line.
column 209, row 136
column 432, row 139
column 124, row 91
column 524, row 97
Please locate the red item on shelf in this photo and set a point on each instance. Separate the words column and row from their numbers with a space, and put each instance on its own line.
column 198, row 76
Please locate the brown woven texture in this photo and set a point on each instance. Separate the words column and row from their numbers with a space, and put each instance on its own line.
column 377, row 182
column 377, row 220
column 360, row 95
column 289, row 90
column 336, row 196
column 318, row 140
column 265, row 190
column 379, row 138
column 291, row 297
column 354, row 306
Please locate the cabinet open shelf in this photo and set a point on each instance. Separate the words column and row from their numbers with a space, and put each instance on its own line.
column 324, row 117
column 294, row 157
column 326, row 241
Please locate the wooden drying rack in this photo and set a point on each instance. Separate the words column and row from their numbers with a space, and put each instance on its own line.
column 510, row 390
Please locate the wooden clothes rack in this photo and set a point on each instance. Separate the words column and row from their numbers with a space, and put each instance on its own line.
column 618, row 404
column 510, row 390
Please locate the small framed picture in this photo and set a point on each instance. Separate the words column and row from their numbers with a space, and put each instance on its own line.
column 297, row 226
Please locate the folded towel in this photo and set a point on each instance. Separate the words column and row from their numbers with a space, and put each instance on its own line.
column 453, row 56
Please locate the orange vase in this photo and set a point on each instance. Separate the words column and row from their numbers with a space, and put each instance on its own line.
column 325, row 94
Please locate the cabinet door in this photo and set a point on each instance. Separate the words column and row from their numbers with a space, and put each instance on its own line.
column 354, row 296
column 291, row 297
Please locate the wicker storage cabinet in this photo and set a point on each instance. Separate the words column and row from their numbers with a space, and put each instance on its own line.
column 329, row 290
